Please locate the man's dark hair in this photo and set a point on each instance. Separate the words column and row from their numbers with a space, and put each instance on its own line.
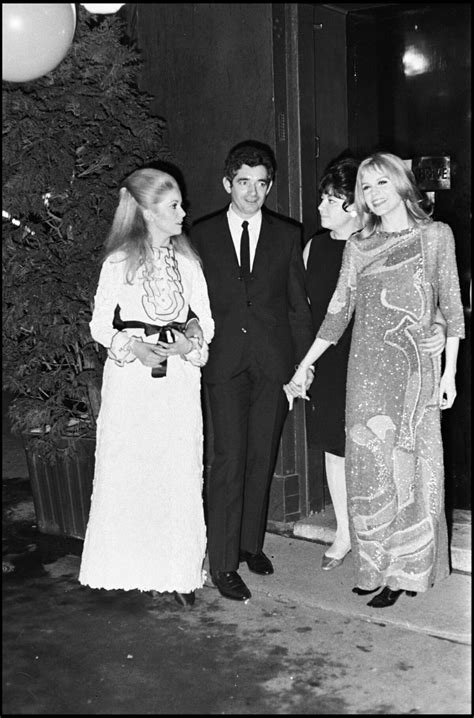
column 251, row 153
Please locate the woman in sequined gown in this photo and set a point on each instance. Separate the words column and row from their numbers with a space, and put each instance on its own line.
column 325, row 415
column 394, row 276
column 146, row 526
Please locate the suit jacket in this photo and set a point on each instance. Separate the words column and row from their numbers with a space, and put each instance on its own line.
column 270, row 313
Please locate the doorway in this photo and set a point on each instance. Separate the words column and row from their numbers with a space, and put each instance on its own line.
column 395, row 77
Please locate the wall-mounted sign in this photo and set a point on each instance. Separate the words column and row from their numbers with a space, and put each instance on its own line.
column 432, row 173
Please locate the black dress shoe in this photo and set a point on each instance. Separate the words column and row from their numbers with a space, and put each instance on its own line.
column 257, row 562
column 364, row 591
column 230, row 585
column 385, row 598
column 185, row 599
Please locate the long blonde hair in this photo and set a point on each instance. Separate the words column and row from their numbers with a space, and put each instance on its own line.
column 129, row 232
column 418, row 207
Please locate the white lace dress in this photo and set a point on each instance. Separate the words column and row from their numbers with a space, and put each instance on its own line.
column 146, row 526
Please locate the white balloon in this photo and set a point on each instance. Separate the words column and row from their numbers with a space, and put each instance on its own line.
column 35, row 38
column 104, row 8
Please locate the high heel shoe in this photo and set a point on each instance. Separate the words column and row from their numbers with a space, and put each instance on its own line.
column 328, row 562
column 364, row 591
column 387, row 597
column 186, row 600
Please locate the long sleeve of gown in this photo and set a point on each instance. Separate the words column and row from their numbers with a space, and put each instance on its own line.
column 105, row 301
column 342, row 303
column 449, row 294
column 199, row 303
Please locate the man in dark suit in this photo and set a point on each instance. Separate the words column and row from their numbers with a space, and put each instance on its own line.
column 252, row 261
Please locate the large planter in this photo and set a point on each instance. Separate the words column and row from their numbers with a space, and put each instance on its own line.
column 62, row 491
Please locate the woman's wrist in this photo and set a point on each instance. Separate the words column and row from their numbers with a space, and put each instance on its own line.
column 133, row 344
column 305, row 367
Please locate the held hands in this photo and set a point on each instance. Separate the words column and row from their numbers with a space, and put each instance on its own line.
column 299, row 384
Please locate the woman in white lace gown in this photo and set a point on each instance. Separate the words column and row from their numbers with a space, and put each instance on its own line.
column 146, row 526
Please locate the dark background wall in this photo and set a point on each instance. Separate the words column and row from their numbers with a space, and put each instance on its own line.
column 397, row 77
column 208, row 66
column 410, row 92
column 221, row 73
column 312, row 80
column 409, row 89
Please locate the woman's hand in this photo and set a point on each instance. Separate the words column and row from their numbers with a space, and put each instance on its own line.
column 146, row 353
column 299, row 384
column 435, row 343
column 181, row 345
column 447, row 390
column 302, row 380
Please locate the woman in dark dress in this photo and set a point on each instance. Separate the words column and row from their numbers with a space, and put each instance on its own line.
column 326, row 409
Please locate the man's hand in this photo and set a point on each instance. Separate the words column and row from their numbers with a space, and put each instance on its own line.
column 434, row 344
column 193, row 330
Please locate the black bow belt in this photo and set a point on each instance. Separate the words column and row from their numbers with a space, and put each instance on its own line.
column 149, row 329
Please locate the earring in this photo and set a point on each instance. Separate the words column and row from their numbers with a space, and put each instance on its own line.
column 353, row 213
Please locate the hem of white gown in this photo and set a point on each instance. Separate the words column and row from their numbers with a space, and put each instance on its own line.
column 162, row 588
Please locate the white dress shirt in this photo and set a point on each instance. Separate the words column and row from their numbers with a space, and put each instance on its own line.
column 235, row 226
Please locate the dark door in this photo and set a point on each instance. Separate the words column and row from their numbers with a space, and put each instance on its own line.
column 397, row 77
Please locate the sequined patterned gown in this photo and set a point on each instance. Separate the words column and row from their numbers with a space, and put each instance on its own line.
column 146, row 527
column 392, row 284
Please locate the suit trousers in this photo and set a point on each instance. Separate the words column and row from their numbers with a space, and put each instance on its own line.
column 247, row 415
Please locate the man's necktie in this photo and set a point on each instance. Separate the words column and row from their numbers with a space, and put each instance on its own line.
column 244, row 252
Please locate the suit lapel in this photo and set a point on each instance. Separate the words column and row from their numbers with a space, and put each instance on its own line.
column 226, row 246
column 263, row 254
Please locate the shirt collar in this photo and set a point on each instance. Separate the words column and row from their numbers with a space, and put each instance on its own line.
column 235, row 221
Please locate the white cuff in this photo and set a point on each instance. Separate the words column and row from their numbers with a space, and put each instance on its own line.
column 120, row 350
column 197, row 356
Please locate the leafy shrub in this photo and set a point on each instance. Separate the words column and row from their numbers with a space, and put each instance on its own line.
column 69, row 138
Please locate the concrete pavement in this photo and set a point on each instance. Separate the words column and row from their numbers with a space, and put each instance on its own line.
column 304, row 643
column 445, row 611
